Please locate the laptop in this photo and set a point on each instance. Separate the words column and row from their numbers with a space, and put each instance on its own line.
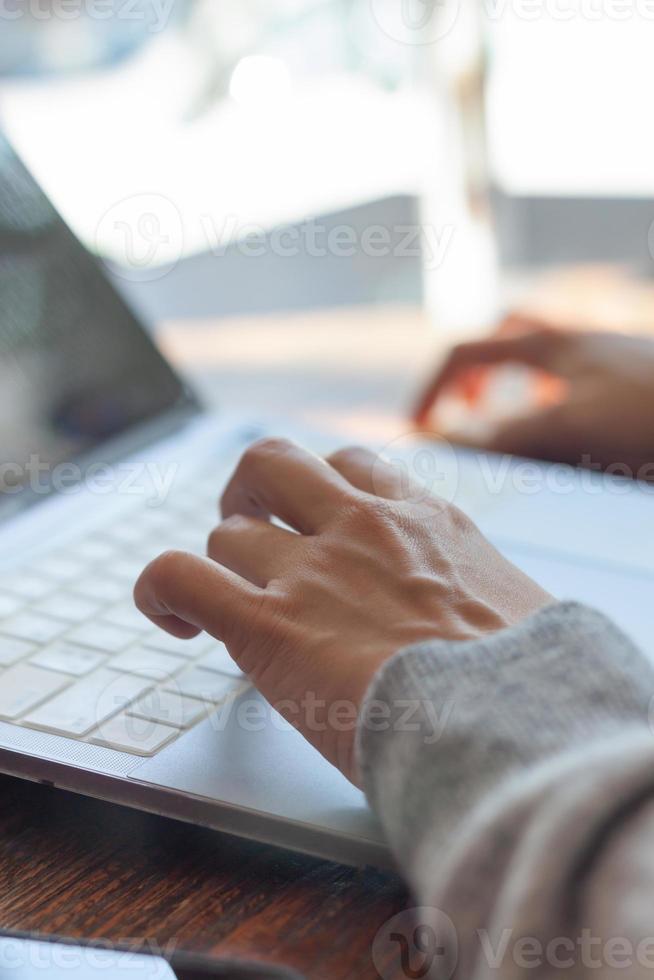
column 107, row 459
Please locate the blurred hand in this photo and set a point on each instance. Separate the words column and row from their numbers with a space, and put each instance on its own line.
column 314, row 612
column 604, row 410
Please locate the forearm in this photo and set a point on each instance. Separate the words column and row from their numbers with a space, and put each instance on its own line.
column 532, row 750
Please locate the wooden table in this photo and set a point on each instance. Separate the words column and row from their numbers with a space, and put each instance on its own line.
column 82, row 868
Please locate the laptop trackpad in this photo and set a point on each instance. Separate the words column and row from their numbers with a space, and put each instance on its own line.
column 249, row 757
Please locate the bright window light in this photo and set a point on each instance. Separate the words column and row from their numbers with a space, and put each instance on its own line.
column 260, row 79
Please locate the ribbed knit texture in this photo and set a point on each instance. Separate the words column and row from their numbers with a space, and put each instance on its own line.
column 504, row 770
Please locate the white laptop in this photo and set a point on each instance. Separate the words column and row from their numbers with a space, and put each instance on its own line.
column 106, row 459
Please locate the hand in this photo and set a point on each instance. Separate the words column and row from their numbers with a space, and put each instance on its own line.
column 316, row 611
column 603, row 414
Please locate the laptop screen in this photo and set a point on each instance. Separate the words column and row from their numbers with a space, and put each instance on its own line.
column 76, row 367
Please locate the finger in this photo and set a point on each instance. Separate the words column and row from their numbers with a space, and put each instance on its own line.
column 537, row 349
column 278, row 478
column 521, row 323
column 473, row 385
column 184, row 594
column 367, row 471
column 254, row 549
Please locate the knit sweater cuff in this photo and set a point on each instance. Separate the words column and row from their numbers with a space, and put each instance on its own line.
column 445, row 724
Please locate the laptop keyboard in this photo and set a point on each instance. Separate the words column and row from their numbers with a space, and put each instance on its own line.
column 78, row 659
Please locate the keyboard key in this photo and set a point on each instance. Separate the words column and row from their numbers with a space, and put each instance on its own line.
column 68, row 606
column 87, row 703
column 12, row 650
column 128, row 533
column 61, row 568
column 147, row 663
column 219, row 659
column 94, row 550
column 125, row 569
column 68, row 658
column 32, row 626
column 149, row 550
column 25, row 686
column 155, row 520
column 101, row 588
column 171, row 708
column 9, row 604
column 127, row 615
column 138, row 736
column 181, row 648
column 27, row 584
column 102, row 636
column 205, row 685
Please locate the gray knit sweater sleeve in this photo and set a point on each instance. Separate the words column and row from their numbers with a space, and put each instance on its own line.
column 514, row 777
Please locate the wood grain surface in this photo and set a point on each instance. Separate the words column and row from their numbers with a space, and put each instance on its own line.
column 87, row 869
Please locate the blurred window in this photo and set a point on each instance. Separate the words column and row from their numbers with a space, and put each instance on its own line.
column 570, row 95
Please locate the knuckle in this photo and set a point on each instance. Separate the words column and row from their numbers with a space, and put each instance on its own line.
column 213, row 541
column 265, row 448
column 230, row 526
column 348, row 454
column 280, row 598
column 227, row 496
column 166, row 567
column 366, row 512
column 234, row 524
column 258, row 453
column 460, row 351
column 550, row 336
column 459, row 519
column 271, row 619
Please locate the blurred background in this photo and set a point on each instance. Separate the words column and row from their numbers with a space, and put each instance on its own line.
column 311, row 198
